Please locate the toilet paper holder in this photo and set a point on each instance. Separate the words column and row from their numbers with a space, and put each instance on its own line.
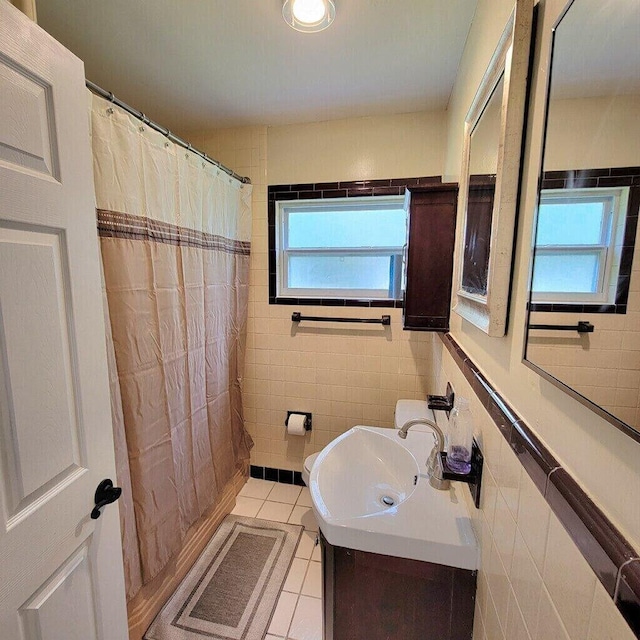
column 307, row 419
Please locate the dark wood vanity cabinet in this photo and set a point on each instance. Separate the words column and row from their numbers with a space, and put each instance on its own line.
column 429, row 260
column 368, row 596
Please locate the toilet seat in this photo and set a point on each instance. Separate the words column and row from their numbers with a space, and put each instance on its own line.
column 308, row 463
column 410, row 410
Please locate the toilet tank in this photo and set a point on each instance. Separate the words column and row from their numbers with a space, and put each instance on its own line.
column 411, row 409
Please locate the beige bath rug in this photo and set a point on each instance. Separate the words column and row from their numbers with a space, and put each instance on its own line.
column 232, row 590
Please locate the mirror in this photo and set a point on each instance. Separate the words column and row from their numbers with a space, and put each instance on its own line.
column 583, row 331
column 483, row 165
column 489, row 178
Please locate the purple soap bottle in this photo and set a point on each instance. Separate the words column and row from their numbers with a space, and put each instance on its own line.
column 460, row 437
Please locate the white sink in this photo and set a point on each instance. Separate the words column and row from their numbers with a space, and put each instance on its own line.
column 357, row 474
column 359, row 471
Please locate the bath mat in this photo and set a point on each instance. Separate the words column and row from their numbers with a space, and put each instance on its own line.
column 231, row 591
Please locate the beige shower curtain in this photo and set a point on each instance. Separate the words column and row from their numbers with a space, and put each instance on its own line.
column 174, row 233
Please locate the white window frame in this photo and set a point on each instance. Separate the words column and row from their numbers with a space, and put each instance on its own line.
column 610, row 247
column 283, row 252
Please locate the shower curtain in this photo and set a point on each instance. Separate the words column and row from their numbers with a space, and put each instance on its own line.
column 174, row 234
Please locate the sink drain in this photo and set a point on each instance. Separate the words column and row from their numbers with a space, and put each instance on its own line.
column 388, row 501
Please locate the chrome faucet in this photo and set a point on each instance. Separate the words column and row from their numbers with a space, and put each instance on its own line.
column 434, row 463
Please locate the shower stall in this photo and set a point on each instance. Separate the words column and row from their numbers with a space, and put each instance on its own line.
column 174, row 230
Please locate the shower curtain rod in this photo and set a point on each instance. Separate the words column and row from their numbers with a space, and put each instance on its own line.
column 165, row 132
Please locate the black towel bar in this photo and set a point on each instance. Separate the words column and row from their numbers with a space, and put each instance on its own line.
column 296, row 316
column 582, row 327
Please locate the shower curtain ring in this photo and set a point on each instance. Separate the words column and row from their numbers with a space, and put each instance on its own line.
column 112, row 98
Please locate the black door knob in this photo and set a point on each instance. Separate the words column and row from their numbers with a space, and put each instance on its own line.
column 106, row 493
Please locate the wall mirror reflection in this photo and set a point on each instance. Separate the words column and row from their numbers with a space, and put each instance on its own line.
column 489, row 178
column 483, row 166
column 583, row 329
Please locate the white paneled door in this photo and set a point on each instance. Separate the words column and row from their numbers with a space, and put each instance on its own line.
column 61, row 572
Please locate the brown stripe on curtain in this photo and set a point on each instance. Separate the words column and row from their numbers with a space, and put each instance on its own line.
column 113, row 224
column 174, row 236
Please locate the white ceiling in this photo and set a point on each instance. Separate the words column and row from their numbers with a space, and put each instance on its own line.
column 201, row 64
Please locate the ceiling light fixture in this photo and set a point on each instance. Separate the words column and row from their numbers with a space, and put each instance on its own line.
column 308, row 15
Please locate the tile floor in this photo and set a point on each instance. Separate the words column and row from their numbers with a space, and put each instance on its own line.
column 298, row 614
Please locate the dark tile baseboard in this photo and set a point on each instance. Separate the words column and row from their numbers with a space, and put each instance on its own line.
column 610, row 555
column 284, row 476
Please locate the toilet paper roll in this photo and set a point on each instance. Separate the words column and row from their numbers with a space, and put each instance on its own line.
column 295, row 424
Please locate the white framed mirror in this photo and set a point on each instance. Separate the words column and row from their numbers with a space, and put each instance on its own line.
column 489, row 179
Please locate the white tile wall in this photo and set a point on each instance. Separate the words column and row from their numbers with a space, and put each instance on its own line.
column 533, row 584
column 345, row 376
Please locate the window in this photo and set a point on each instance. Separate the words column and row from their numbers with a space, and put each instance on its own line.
column 340, row 247
column 578, row 245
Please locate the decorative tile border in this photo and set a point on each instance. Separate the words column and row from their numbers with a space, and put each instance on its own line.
column 591, row 178
column 284, row 476
column 308, row 191
column 612, row 558
column 326, row 190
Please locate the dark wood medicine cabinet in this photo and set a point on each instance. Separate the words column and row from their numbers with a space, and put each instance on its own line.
column 431, row 220
column 431, row 207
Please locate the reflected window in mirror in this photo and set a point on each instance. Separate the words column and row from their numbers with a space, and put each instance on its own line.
column 587, row 220
column 579, row 246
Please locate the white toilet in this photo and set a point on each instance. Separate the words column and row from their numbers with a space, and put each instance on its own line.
column 308, row 463
column 405, row 410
